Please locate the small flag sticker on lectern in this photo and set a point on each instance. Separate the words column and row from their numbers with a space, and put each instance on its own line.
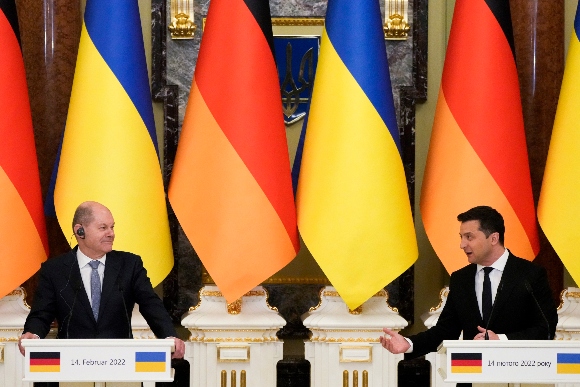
column 150, row 361
column 569, row 363
column 466, row 363
column 44, row 361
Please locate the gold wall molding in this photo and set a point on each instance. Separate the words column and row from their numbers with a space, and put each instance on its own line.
column 334, row 293
column 207, row 280
column 233, row 339
column 298, row 21
column 221, row 359
column 442, row 294
column 8, row 339
column 344, row 359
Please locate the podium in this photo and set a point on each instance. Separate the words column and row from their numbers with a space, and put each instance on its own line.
column 98, row 360
column 515, row 361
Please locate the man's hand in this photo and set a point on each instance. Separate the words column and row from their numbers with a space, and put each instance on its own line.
column 179, row 348
column 481, row 334
column 27, row 335
column 395, row 343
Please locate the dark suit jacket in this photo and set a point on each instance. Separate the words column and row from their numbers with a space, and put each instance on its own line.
column 515, row 312
column 61, row 294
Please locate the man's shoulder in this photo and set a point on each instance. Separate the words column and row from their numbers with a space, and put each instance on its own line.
column 65, row 258
column 519, row 264
column 122, row 254
column 124, row 257
column 465, row 271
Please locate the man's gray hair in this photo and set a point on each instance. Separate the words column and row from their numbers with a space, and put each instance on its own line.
column 83, row 215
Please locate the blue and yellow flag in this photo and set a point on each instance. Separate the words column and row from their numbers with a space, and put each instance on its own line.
column 559, row 204
column 109, row 150
column 353, row 207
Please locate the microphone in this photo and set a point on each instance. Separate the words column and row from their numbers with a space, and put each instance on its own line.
column 529, row 289
column 491, row 311
column 120, row 288
column 68, row 278
column 68, row 317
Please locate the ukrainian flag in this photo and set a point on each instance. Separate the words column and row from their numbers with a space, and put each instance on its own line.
column 568, row 363
column 109, row 150
column 559, row 203
column 353, row 207
column 150, row 361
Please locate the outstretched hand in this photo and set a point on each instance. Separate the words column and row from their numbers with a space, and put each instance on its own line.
column 394, row 342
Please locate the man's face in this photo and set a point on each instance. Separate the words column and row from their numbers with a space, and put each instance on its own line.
column 99, row 234
column 476, row 246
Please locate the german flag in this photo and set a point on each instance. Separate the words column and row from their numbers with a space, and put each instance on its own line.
column 478, row 154
column 466, row 363
column 231, row 187
column 44, row 361
column 20, row 198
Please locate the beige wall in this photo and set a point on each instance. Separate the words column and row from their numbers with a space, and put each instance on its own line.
column 430, row 275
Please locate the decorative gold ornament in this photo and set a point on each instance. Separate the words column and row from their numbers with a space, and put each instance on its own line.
column 182, row 16
column 356, row 310
column 235, row 307
column 442, row 293
column 396, row 26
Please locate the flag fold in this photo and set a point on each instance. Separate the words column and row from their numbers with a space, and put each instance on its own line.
column 559, row 202
column 26, row 244
column 231, row 187
column 478, row 154
column 354, row 213
column 109, row 149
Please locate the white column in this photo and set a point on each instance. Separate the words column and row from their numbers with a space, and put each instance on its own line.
column 344, row 340
column 239, row 337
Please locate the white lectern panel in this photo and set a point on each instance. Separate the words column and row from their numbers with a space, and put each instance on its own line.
column 515, row 361
column 94, row 360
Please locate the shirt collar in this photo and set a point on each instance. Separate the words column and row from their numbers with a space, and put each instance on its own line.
column 499, row 264
column 84, row 260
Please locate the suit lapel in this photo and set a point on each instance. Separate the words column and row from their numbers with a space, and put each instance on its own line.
column 505, row 287
column 112, row 267
column 471, row 296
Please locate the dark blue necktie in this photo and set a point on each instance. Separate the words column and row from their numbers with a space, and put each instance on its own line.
column 95, row 288
column 486, row 301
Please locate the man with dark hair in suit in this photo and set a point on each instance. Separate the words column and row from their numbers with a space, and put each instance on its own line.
column 91, row 291
column 498, row 296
